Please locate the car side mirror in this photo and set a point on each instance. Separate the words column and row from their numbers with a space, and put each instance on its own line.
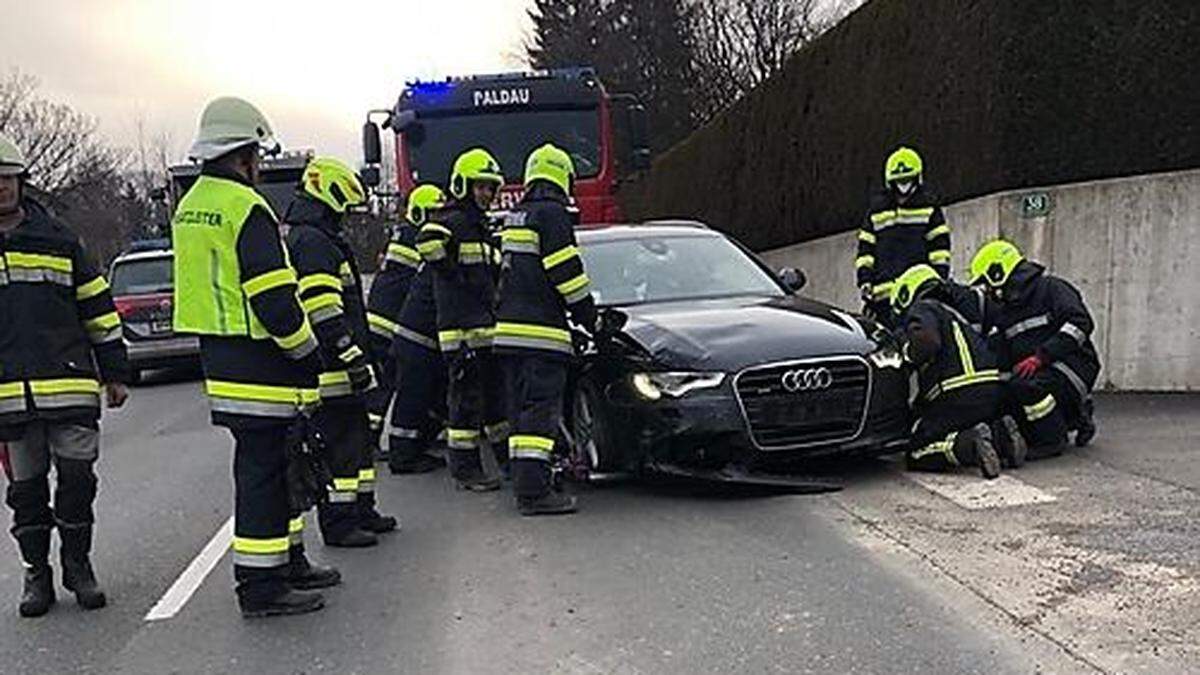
column 793, row 278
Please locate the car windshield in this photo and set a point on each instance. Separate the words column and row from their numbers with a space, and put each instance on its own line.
column 509, row 136
column 670, row 268
column 137, row 277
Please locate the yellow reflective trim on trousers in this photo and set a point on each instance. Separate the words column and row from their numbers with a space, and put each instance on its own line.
column 380, row 321
column 868, row 237
column 366, row 475
column 331, row 377
column 91, row 289
column 533, row 442
column 346, row 484
column 864, row 261
column 945, row 448
column 290, row 342
column 104, row 322
column 69, row 385
column 937, row 232
column 258, row 392
column 560, row 256
column 321, row 280
column 572, row 285
column 964, row 350
column 533, row 331
column 939, row 257
column 1040, row 409
column 321, row 301
column 520, row 235
column 39, row 260
column 296, row 525
column 964, row 381
column 257, row 546
column 350, row 354
column 265, row 282
column 13, row 389
column 462, row 434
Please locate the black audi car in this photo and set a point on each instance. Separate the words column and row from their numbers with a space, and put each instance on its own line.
column 720, row 363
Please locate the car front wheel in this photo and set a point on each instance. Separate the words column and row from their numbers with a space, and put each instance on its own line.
column 594, row 447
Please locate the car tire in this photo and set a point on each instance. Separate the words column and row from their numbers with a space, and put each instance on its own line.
column 595, row 443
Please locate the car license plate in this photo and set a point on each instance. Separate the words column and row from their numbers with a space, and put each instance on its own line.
column 160, row 326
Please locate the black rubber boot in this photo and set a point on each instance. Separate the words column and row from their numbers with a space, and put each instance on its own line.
column 421, row 463
column 78, row 576
column 370, row 519
column 304, row 576
column 1087, row 424
column 550, row 504
column 38, row 594
column 985, row 452
column 1009, row 442
column 352, row 538
column 287, row 603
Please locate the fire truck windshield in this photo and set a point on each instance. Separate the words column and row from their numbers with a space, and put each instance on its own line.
column 510, row 136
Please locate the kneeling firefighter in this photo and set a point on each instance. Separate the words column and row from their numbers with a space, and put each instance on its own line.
column 331, row 294
column 959, row 390
column 463, row 260
column 420, row 374
column 542, row 279
column 1043, row 335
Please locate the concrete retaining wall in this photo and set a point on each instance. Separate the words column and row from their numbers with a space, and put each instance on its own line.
column 1131, row 245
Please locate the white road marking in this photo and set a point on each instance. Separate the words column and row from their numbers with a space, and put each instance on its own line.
column 181, row 591
column 975, row 493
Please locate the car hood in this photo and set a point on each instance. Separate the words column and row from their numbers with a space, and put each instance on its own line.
column 732, row 334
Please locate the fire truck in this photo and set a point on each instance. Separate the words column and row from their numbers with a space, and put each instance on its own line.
column 511, row 114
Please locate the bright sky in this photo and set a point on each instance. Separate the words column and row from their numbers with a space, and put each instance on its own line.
column 314, row 68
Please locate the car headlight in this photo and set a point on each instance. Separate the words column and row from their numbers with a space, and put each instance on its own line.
column 653, row 386
column 886, row 357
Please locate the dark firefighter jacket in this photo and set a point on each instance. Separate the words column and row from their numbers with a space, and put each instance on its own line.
column 464, row 264
column 236, row 289
column 330, row 292
column 390, row 289
column 894, row 237
column 60, row 335
column 541, row 277
column 948, row 355
column 1046, row 316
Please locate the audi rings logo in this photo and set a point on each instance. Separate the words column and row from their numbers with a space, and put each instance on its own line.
column 813, row 379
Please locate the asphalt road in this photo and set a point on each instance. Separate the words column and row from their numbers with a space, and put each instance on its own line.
column 647, row 579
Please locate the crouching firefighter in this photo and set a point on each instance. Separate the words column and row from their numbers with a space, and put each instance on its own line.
column 331, row 294
column 959, row 390
column 60, row 344
column 904, row 227
column 420, row 383
column 235, row 288
column 542, row 279
column 384, row 303
column 1043, row 336
column 460, row 253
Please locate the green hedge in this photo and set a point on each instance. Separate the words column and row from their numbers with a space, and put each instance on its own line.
column 996, row 94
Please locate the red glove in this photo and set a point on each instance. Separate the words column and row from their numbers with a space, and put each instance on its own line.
column 1029, row 367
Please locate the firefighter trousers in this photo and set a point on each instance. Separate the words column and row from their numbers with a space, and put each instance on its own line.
column 475, row 410
column 379, row 398
column 344, row 426
column 943, row 436
column 72, row 449
column 1041, row 405
column 262, row 512
column 535, row 388
column 420, row 392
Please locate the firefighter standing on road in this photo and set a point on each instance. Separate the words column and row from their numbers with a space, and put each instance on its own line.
column 384, row 303
column 904, row 227
column 235, row 288
column 420, row 383
column 542, row 279
column 331, row 294
column 54, row 360
column 460, row 253
column 1044, row 337
column 959, row 390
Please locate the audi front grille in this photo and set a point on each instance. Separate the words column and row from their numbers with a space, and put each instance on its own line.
column 805, row 403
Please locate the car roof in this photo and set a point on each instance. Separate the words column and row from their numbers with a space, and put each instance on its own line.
column 156, row 254
column 651, row 228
